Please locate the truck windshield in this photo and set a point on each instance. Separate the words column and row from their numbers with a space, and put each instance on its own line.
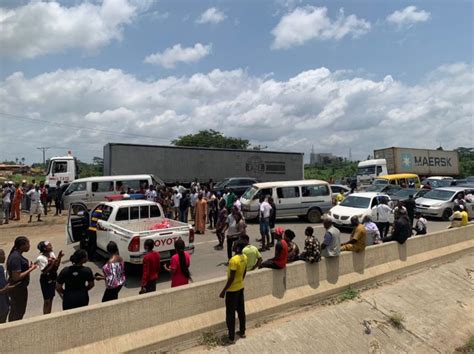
column 356, row 202
column 367, row 170
column 439, row 195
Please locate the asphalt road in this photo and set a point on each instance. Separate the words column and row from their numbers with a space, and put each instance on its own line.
column 206, row 263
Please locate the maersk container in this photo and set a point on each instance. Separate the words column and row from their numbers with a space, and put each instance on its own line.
column 184, row 164
column 423, row 162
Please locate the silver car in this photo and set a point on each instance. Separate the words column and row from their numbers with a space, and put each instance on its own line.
column 439, row 202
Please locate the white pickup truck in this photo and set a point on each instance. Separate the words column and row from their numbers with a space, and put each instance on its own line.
column 128, row 223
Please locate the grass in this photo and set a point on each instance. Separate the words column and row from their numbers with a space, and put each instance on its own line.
column 467, row 348
column 210, row 339
column 396, row 320
column 349, row 294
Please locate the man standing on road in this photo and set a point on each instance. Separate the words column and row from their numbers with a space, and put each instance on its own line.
column 230, row 200
column 6, row 201
column 36, row 207
column 264, row 219
column 221, row 225
column 410, row 207
column 234, row 292
column 201, row 214
column 380, row 214
column 358, row 239
column 16, row 207
column 331, row 246
column 151, row 268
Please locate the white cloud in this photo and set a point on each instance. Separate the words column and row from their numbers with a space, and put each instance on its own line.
column 211, row 15
column 333, row 110
column 309, row 22
column 177, row 54
column 408, row 16
column 40, row 28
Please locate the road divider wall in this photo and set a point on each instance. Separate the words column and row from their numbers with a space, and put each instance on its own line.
column 157, row 320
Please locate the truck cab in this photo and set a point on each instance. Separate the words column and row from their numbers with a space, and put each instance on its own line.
column 63, row 169
column 369, row 170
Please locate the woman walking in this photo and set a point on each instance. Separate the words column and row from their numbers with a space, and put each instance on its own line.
column 48, row 264
column 113, row 273
column 75, row 281
column 179, row 266
column 19, row 269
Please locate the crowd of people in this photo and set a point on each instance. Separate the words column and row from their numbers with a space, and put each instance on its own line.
column 33, row 198
column 206, row 209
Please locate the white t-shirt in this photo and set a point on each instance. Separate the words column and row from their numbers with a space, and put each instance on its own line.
column 238, row 204
column 8, row 195
column 381, row 213
column 176, row 198
column 151, row 195
column 34, row 195
column 42, row 260
column 265, row 209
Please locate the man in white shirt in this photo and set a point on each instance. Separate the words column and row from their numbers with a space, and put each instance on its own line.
column 176, row 199
column 381, row 214
column 151, row 194
column 264, row 218
column 36, row 207
column 6, row 201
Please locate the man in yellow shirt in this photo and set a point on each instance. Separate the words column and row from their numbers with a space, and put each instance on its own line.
column 340, row 196
column 464, row 216
column 234, row 291
column 358, row 237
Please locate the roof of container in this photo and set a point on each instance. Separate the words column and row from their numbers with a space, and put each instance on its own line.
column 112, row 178
column 304, row 182
column 203, row 148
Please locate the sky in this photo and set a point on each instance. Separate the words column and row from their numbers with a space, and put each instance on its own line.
column 292, row 75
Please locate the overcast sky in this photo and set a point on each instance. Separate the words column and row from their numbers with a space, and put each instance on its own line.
column 288, row 74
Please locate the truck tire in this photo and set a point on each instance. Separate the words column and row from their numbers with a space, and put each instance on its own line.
column 446, row 214
column 314, row 216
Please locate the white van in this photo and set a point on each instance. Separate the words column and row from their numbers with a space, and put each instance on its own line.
column 305, row 198
column 93, row 190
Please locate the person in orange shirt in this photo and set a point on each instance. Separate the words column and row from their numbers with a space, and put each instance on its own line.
column 16, row 212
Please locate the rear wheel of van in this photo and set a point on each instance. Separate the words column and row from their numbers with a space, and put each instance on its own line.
column 314, row 216
column 446, row 214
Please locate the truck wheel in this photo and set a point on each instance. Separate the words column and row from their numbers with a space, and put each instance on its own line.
column 446, row 214
column 314, row 216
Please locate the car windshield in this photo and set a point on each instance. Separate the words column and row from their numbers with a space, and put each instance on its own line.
column 405, row 193
column 380, row 181
column 356, row 202
column 222, row 183
column 437, row 183
column 439, row 194
column 250, row 193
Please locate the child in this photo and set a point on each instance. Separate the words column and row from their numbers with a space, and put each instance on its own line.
column 312, row 248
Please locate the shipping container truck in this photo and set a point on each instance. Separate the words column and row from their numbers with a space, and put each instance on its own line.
column 184, row 164
column 423, row 162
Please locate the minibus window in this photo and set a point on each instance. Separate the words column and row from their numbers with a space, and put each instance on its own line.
column 315, row 190
column 102, row 187
column 288, row 192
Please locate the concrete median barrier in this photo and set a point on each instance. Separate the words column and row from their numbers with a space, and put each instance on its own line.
column 160, row 320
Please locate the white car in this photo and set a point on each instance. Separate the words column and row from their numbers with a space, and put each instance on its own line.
column 359, row 204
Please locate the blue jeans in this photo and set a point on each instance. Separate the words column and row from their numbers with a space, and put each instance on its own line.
column 265, row 230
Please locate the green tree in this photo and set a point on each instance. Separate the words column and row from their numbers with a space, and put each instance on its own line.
column 211, row 139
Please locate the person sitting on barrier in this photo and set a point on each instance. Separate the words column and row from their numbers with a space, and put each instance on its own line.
column 331, row 246
column 234, row 291
column 456, row 217
column 151, row 268
column 464, row 216
column 312, row 249
column 401, row 229
column 373, row 233
column 254, row 257
column 281, row 252
column 293, row 250
column 358, row 238
column 420, row 224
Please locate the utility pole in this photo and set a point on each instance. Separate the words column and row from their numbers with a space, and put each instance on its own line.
column 44, row 149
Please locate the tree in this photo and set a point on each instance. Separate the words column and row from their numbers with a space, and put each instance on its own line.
column 211, row 139
column 99, row 161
